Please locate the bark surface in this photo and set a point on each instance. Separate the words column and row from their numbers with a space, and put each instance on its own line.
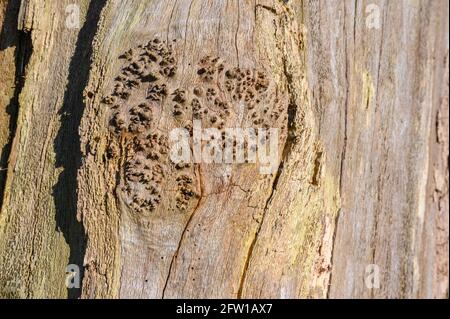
column 86, row 176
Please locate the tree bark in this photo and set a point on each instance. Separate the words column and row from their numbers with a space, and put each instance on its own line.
column 360, row 188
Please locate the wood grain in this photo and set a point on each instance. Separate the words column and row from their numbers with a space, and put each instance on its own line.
column 362, row 177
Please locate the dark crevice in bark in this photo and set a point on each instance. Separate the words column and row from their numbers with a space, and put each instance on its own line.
column 67, row 145
column 288, row 146
column 315, row 180
column 10, row 36
column 270, row 9
column 183, row 234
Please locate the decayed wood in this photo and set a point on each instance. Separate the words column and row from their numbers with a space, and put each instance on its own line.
column 362, row 178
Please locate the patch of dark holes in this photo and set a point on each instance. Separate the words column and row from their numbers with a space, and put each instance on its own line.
column 239, row 83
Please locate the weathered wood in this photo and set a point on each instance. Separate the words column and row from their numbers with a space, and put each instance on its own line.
column 39, row 232
column 362, row 179
column 393, row 82
column 8, row 94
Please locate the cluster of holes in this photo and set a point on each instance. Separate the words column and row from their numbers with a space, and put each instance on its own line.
column 144, row 173
column 252, row 88
column 210, row 68
column 146, row 88
column 230, row 97
column 185, row 191
column 139, row 119
column 138, row 93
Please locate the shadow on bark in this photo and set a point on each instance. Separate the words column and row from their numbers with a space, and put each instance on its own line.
column 9, row 37
column 67, row 143
column 8, row 33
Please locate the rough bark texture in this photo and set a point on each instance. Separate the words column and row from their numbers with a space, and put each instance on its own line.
column 85, row 174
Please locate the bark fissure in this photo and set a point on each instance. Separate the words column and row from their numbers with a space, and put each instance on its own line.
column 270, row 9
column 287, row 148
column 183, row 233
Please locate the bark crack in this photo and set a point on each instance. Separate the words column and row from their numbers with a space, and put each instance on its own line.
column 288, row 145
column 270, row 9
column 183, row 234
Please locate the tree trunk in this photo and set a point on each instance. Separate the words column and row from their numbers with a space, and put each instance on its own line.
column 356, row 205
